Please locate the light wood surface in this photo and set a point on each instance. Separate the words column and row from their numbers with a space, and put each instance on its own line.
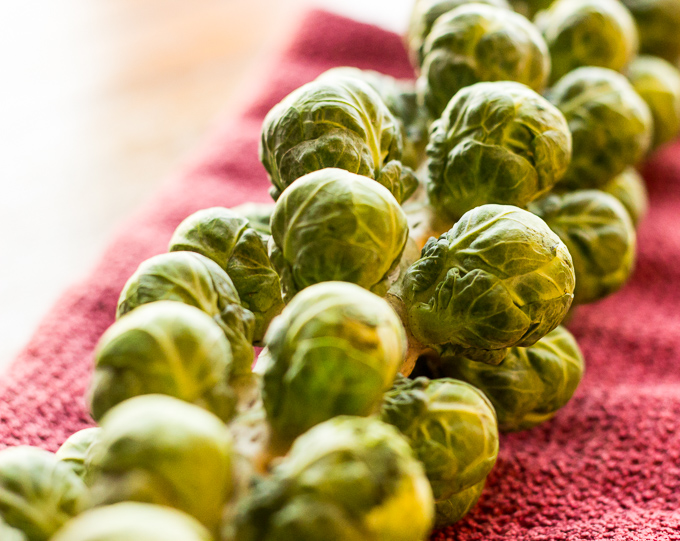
column 100, row 102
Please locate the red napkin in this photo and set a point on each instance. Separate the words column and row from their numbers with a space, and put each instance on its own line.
column 607, row 467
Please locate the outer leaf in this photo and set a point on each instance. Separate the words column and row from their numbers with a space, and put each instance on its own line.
column 450, row 511
column 74, row 450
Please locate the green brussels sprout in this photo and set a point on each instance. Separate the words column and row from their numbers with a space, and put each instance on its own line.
column 658, row 83
column 38, row 492
column 611, row 126
column 335, row 225
column 349, row 478
column 334, row 350
column 164, row 347
column 158, row 449
column 132, row 521
column 495, row 143
column 450, row 511
column 258, row 215
column 227, row 238
column 600, row 237
column 74, row 450
column 658, row 22
column 588, row 33
column 400, row 98
column 531, row 384
column 7, row 533
column 451, row 427
column 423, row 17
column 196, row 280
column 335, row 121
column 630, row 189
column 475, row 43
column 499, row 278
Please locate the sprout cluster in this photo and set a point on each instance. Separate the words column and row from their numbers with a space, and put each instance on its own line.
column 405, row 322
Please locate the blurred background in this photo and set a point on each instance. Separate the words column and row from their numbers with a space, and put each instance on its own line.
column 102, row 101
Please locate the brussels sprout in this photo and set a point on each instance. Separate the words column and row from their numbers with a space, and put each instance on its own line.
column 227, row 239
column 347, row 478
column 424, row 15
column 38, row 492
column 258, row 216
column 74, row 450
column 167, row 348
column 334, row 225
column 131, row 521
column 499, row 278
column 335, row 121
column 400, row 98
column 198, row 281
column 659, row 24
column 475, row 43
column 600, row 237
column 334, row 350
column 588, row 33
column 611, row 125
column 658, row 83
column 451, row 427
column 450, row 511
column 495, row 143
column 158, row 449
column 7, row 533
column 531, row 384
column 630, row 189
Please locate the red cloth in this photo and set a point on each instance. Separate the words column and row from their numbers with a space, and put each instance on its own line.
column 608, row 467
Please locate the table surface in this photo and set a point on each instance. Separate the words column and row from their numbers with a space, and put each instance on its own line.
column 103, row 101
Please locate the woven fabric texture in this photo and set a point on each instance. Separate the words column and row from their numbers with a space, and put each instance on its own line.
column 606, row 468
